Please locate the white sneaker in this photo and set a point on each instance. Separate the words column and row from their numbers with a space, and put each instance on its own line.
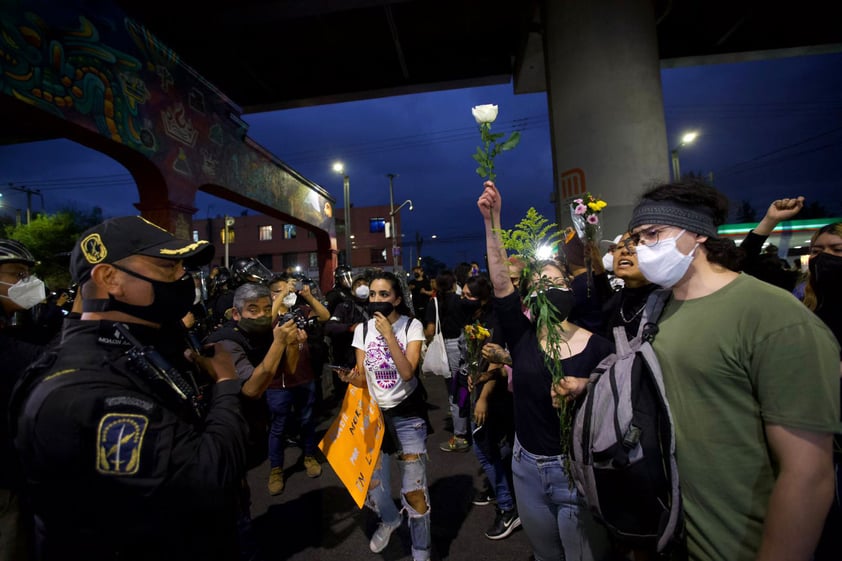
column 381, row 536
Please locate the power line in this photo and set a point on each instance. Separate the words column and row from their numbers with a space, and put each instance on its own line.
column 731, row 169
column 780, row 159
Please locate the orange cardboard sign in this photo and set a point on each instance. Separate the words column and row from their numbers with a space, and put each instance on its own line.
column 352, row 443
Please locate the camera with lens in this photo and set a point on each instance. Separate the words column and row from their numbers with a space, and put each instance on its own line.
column 296, row 316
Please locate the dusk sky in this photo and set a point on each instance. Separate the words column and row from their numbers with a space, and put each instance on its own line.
column 767, row 129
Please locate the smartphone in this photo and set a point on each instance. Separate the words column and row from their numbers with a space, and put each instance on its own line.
column 343, row 369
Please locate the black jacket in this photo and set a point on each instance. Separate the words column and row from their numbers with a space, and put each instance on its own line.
column 116, row 467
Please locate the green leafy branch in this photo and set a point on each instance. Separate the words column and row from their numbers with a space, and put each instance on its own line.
column 524, row 240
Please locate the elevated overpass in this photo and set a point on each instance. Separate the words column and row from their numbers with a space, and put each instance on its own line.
column 161, row 87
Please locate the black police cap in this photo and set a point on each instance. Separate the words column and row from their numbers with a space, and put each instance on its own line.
column 118, row 238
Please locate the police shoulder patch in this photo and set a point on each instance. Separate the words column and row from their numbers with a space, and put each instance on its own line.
column 119, row 442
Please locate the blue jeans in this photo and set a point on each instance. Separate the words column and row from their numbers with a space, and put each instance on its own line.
column 412, row 440
column 281, row 402
column 555, row 518
column 497, row 473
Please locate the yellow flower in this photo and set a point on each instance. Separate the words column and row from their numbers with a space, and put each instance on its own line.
column 483, row 333
column 597, row 205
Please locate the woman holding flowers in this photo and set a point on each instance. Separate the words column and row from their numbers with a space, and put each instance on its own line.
column 556, row 520
column 492, row 422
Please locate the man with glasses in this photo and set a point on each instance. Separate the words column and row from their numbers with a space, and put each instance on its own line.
column 19, row 291
column 752, row 380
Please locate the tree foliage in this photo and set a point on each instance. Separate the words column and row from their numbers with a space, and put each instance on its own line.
column 50, row 238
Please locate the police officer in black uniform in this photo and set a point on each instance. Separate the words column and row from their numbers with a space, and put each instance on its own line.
column 124, row 457
column 341, row 291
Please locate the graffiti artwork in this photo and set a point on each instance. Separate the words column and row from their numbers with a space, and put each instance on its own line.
column 109, row 74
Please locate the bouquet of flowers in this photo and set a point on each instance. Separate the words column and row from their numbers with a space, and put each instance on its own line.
column 585, row 215
column 475, row 335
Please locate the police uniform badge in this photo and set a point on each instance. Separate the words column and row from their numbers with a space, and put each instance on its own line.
column 119, row 442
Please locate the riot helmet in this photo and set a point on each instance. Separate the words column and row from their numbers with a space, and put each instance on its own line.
column 250, row 270
column 343, row 277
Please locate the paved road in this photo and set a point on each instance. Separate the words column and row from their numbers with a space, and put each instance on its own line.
column 316, row 519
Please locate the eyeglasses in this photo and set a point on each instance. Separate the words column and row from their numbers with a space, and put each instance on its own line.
column 650, row 237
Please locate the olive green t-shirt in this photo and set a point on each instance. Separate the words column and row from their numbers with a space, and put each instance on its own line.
column 748, row 355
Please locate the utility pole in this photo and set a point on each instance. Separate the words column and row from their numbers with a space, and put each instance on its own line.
column 419, row 241
column 392, row 212
column 29, row 192
column 391, row 177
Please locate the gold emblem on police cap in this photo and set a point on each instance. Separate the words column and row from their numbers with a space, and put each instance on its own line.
column 93, row 249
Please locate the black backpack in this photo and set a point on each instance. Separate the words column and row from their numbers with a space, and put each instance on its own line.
column 623, row 449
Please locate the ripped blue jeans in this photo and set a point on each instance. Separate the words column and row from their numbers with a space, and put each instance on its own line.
column 412, row 441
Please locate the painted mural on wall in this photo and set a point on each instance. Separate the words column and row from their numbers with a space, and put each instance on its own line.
column 109, row 74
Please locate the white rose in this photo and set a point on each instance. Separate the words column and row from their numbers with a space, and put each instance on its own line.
column 484, row 113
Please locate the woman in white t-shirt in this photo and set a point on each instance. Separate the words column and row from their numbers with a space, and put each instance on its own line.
column 388, row 350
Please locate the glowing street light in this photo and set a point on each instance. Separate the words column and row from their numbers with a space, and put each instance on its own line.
column 339, row 167
column 686, row 139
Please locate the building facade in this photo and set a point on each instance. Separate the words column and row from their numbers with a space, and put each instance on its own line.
column 283, row 246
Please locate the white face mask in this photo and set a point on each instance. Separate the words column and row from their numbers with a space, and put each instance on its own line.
column 290, row 299
column 663, row 264
column 27, row 292
column 608, row 261
column 361, row 292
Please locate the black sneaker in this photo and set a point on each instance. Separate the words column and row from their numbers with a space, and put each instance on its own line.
column 482, row 498
column 504, row 524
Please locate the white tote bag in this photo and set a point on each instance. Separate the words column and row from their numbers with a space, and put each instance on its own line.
column 435, row 361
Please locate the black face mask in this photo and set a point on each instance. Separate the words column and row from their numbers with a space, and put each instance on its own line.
column 255, row 326
column 825, row 273
column 384, row 308
column 171, row 302
column 470, row 305
column 563, row 301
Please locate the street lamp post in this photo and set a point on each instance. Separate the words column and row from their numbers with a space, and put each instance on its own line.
column 392, row 212
column 227, row 229
column 338, row 167
column 686, row 139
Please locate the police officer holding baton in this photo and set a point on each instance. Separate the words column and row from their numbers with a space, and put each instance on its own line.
column 125, row 456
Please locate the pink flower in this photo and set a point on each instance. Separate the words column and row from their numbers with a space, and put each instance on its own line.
column 592, row 219
column 581, row 209
column 578, row 201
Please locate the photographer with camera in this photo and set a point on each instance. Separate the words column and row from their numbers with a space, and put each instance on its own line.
column 294, row 384
column 123, row 456
column 257, row 341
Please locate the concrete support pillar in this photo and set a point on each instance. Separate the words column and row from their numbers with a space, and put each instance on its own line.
column 605, row 104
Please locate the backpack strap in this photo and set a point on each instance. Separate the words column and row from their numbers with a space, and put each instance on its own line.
column 652, row 313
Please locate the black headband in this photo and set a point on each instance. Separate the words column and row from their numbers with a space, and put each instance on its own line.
column 671, row 213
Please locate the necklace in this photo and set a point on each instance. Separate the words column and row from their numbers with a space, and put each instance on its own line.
column 637, row 313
